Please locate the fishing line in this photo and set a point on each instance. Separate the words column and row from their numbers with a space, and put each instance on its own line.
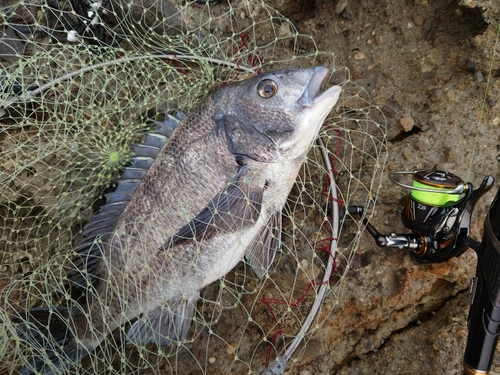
column 483, row 105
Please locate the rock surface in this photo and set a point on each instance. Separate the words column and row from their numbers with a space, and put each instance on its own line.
column 420, row 60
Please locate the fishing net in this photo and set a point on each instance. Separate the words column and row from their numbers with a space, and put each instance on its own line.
column 80, row 83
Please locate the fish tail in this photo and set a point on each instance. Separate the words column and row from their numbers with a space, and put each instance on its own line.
column 50, row 340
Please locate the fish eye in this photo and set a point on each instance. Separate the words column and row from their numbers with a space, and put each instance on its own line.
column 267, row 88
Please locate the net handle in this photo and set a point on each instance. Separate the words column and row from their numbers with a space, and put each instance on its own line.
column 28, row 95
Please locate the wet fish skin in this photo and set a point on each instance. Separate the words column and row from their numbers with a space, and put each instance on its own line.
column 212, row 195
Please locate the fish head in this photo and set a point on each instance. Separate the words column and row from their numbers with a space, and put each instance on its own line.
column 275, row 115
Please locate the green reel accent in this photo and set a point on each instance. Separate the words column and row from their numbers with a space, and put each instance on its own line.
column 433, row 199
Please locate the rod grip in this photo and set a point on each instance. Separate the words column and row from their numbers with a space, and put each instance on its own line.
column 484, row 313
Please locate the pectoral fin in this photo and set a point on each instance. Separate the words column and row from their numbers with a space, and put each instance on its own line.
column 164, row 324
column 237, row 206
column 262, row 251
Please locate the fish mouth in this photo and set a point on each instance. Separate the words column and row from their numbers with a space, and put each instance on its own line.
column 310, row 96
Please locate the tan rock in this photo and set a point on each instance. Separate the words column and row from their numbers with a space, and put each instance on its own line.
column 407, row 123
column 418, row 20
column 359, row 56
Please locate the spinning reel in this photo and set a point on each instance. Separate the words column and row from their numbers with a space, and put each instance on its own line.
column 438, row 212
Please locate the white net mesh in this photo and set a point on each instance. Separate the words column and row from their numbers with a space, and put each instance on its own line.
column 80, row 82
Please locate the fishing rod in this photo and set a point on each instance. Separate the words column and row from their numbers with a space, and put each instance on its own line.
column 438, row 213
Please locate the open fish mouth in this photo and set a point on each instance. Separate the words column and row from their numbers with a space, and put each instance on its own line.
column 310, row 96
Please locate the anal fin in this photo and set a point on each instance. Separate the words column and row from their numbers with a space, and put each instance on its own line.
column 164, row 324
column 261, row 252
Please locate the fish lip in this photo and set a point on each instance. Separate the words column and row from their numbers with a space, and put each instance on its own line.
column 310, row 96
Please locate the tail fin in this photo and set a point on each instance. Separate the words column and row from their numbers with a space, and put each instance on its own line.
column 49, row 340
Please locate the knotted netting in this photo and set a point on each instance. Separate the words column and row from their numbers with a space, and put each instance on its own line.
column 83, row 81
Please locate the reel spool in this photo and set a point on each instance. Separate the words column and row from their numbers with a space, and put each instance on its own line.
column 446, row 183
column 431, row 192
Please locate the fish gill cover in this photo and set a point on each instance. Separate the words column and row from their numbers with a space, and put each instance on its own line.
column 80, row 84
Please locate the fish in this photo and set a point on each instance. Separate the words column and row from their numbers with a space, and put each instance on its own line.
column 202, row 194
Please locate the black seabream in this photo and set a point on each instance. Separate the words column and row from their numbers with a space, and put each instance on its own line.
column 193, row 204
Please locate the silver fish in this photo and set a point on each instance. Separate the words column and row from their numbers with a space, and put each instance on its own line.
column 195, row 202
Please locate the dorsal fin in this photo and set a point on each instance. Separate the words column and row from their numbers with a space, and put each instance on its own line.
column 96, row 233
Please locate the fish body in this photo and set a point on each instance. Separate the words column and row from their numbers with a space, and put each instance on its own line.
column 194, row 203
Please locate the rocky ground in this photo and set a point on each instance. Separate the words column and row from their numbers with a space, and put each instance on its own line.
column 426, row 63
